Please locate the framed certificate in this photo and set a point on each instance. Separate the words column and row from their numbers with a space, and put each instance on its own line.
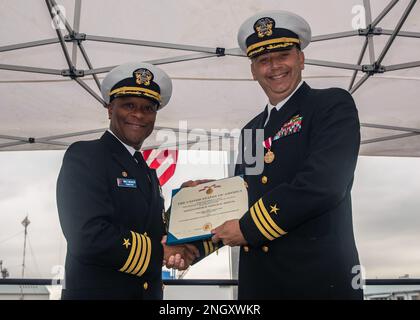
column 195, row 211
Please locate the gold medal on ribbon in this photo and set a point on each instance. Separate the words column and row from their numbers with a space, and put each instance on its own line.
column 269, row 156
column 207, row 226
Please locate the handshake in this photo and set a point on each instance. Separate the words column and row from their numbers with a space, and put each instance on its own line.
column 182, row 256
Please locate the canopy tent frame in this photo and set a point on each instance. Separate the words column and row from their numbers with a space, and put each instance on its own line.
column 74, row 36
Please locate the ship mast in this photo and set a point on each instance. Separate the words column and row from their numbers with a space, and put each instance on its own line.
column 25, row 223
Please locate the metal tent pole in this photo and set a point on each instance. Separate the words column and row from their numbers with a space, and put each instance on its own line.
column 189, row 57
column 387, row 9
column 396, row 30
column 90, row 91
column 398, row 136
column 28, row 44
column 359, row 61
column 76, row 26
column 381, row 126
column 358, row 84
column 338, row 35
column 153, row 44
column 330, row 64
column 369, row 36
column 30, row 69
column 401, row 66
column 60, row 36
column 406, row 34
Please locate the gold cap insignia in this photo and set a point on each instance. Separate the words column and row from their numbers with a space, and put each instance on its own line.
column 143, row 76
column 264, row 27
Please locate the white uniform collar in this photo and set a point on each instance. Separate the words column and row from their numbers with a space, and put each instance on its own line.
column 281, row 103
column 130, row 149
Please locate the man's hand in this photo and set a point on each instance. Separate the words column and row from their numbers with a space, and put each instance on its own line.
column 191, row 183
column 180, row 256
column 229, row 233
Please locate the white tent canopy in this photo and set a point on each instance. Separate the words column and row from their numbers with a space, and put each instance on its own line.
column 49, row 76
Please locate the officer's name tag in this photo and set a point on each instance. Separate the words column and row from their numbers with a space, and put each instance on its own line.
column 126, row 183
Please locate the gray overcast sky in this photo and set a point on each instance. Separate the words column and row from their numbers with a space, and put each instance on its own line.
column 386, row 211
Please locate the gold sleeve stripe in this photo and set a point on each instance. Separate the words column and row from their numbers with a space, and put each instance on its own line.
column 269, row 219
column 267, row 227
column 132, row 251
column 137, row 255
column 148, row 256
column 143, row 254
column 206, row 248
column 259, row 226
column 211, row 247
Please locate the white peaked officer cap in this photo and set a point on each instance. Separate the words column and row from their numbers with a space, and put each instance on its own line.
column 270, row 31
column 137, row 79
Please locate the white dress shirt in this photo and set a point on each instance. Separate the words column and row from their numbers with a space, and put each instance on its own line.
column 281, row 103
column 129, row 148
